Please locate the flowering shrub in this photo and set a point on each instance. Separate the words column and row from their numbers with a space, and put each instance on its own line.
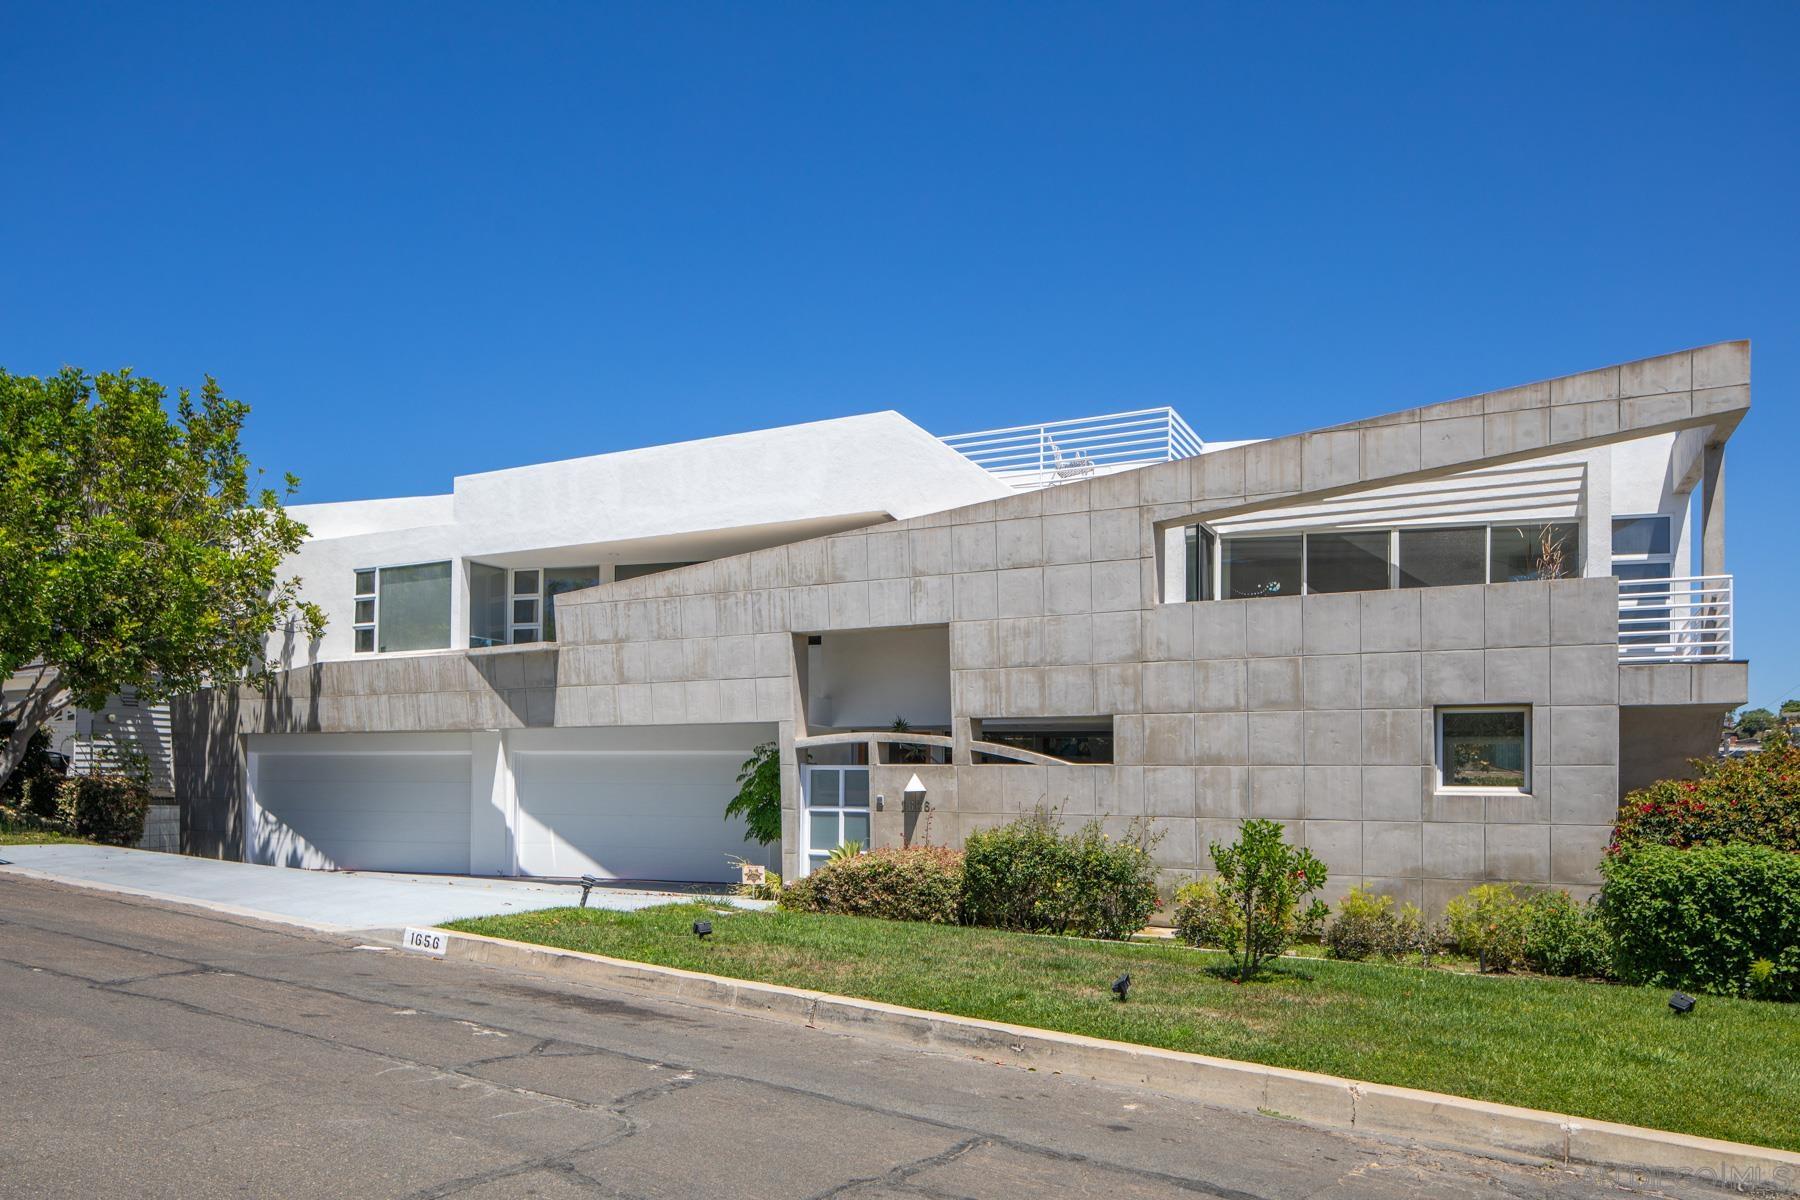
column 1262, row 880
column 921, row 883
column 1754, row 799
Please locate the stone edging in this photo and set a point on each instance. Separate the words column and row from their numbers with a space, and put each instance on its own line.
column 1325, row 1100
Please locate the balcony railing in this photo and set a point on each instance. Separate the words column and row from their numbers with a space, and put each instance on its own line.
column 1675, row 620
column 1036, row 456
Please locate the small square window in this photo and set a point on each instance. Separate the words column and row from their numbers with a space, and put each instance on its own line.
column 365, row 641
column 365, row 611
column 365, row 583
column 525, row 612
column 1487, row 749
column 525, row 583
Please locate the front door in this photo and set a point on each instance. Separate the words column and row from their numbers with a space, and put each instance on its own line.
column 837, row 811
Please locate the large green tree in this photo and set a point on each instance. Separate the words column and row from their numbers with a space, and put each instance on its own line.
column 133, row 551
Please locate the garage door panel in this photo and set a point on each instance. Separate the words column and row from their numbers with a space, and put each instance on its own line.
column 371, row 811
column 630, row 816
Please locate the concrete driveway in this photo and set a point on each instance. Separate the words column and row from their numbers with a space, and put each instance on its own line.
column 335, row 901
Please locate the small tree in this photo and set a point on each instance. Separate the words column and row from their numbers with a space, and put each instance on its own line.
column 1262, row 880
column 758, row 800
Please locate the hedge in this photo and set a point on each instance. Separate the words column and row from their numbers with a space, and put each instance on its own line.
column 1719, row 919
column 923, row 883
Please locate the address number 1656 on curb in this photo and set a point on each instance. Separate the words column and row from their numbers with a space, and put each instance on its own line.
column 426, row 941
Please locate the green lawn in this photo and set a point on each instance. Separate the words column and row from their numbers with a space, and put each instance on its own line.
column 26, row 835
column 1730, row 1070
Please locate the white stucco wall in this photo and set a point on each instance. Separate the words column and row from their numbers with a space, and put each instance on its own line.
column 688, row 501
column 864, row 679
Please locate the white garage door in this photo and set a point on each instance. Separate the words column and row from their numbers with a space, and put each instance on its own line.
column 623, row 815
column 364, row 811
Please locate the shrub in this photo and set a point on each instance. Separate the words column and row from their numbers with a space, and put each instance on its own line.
column 1565, row 938
column 105, row 808
column 1112, row 892
column 1754, row 799
column 1488, row 922
column 1026, row 876
column 1702, row 919
column 31, row 788
column 1262, row 880
column 1366, row 926
column 921, row 883
column 1201, row 913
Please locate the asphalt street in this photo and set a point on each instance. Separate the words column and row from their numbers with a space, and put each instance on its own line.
column 155, row 1051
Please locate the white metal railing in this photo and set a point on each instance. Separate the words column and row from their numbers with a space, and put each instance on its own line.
column 1035, row 456
column 1684, row 619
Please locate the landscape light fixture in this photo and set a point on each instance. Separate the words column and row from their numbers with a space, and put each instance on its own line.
column 702, row 929
column 1682, row 1003
column 588, row 884
column 1121, row 985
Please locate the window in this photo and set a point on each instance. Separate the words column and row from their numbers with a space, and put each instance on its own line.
column 637, row 570
column 1535, row 551
column 1262, row 566
column 1073, row 739
column 837, row 811
column 525, row 606
column 1374, row 560
column 1486, row 749
column 1200, row 543
column 1643, row 558
column 365, row 611
column 558, row 580
column 1443, row 557
column 403, row 608
column 1347, row 562
column 1634, row 536
column 487, row 605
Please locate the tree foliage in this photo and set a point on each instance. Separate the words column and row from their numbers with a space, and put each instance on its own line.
column 1753, row 721
column 758, row 800
column 133, row 550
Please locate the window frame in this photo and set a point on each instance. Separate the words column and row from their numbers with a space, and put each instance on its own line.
column 1437, row 757
column 373, row 625
column 513, row 599
column 1393, row 532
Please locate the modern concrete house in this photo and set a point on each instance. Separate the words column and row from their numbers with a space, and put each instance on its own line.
column 1438, row 644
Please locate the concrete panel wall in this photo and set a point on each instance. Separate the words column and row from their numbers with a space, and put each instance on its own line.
column 1316, row 711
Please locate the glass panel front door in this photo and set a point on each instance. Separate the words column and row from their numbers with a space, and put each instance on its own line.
column 837, row 811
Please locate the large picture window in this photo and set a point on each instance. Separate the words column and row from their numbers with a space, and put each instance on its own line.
column 1347, row 562
column 1535, row 551
column 1373, row 560
column 1261, row 566
column 1443, row 557
column 1484, row 749
column 403, row 608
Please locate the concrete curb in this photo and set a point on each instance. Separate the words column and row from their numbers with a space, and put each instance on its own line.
column 1326, row 1100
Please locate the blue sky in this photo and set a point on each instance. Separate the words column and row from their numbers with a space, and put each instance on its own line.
column 424, row 240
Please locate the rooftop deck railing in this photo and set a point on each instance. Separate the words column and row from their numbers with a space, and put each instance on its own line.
column 1687, row 619
column 1034, row 456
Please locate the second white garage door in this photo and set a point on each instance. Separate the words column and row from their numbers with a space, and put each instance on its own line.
column 624, row 815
